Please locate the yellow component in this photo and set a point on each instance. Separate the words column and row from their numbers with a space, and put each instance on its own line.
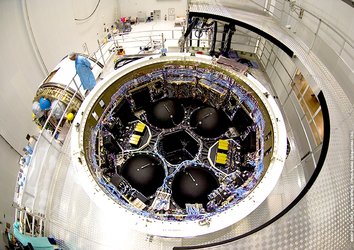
column 223, row 144
column 140, row 127
column 134, row 139
column 221, row 158
column 133, row 142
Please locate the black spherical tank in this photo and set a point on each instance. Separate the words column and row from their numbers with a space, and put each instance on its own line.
column 193, row 185
column 209, row 122
column 144, row 172
column 165, row 113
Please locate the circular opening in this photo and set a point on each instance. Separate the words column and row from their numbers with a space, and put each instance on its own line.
column 175, row 144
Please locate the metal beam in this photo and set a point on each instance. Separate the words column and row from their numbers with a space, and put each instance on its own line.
column 230, row 33
column 226, row 30
column 215, row 31
column 260, row 32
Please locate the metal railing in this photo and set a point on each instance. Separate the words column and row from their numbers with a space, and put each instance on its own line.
column 265, row 54
column 315, row 34
column 48, row 136
column 145, row 38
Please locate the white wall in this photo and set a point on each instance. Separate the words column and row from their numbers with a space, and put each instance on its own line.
column 8, row 168
column 335, row 12
column 330, row 47
column 331, row 39
column 20, row 75
column 57, row 33
column 131, row 7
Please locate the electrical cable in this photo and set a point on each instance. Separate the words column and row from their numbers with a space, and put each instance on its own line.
column 198, row 33
column 83, row 19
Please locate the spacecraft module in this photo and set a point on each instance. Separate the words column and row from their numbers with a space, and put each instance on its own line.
column 179, row 145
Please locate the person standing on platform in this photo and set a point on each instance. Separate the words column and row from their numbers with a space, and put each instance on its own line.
column 83, row 69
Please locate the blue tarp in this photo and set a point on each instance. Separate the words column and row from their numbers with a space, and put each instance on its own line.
column 41, row 243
